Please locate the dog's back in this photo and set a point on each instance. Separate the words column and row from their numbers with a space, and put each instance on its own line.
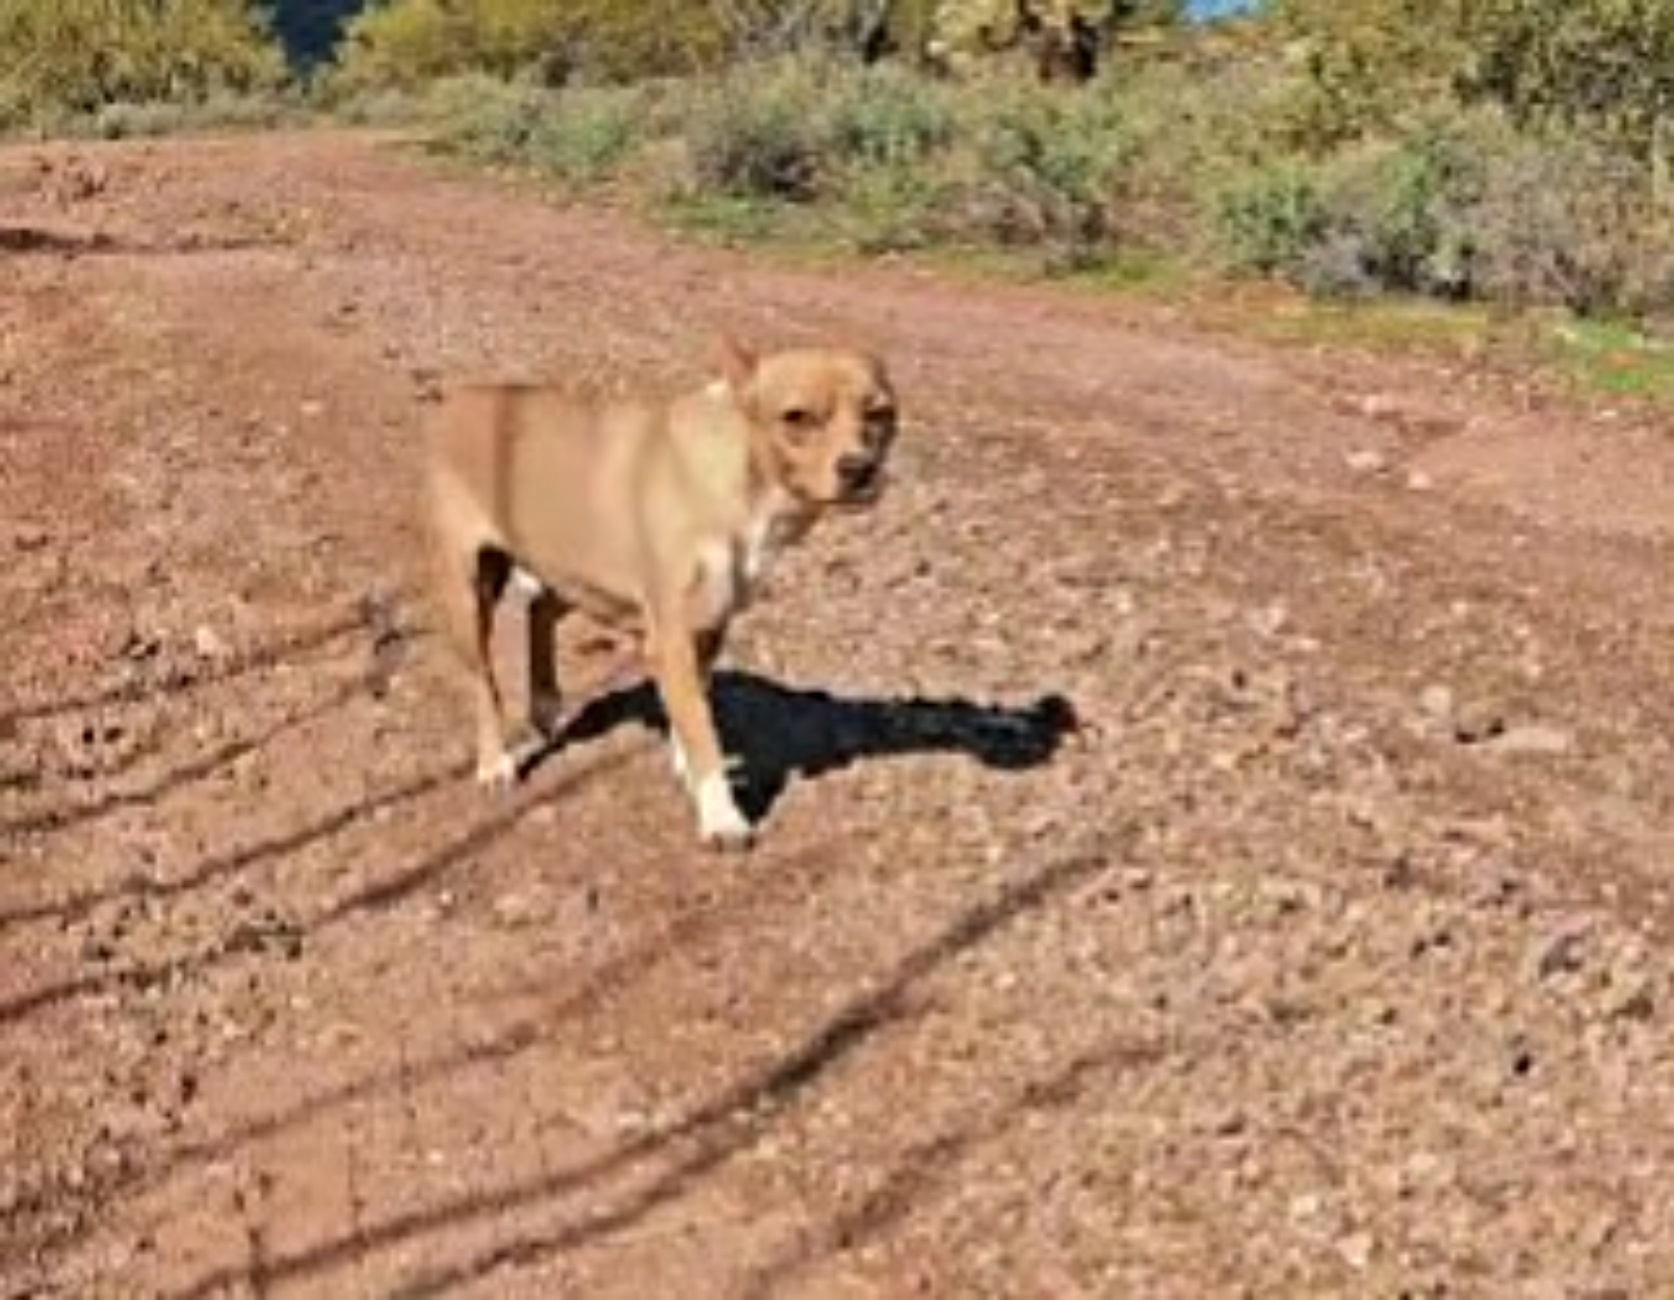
column 543, row 474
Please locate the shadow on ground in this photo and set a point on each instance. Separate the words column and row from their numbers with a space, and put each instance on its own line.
column 663, row 1164
column 778, row 732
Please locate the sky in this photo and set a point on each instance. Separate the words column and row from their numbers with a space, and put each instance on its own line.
column 1214, row 8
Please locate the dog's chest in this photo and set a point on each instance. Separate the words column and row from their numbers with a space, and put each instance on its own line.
column 730, row 570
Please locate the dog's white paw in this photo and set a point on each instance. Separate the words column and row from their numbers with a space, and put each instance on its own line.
column 498, row 771
column 526, row 584
column 720, row 823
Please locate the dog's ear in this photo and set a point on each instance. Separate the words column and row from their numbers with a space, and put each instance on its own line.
column 736, row 362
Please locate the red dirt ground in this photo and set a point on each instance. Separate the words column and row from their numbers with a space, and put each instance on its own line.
column 1329, row 958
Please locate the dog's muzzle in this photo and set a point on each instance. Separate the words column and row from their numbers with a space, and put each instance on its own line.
column 860, row 478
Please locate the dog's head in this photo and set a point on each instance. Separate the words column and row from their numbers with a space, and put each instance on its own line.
column 823, row 419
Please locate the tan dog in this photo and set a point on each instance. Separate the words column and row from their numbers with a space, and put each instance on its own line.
column 657, row 518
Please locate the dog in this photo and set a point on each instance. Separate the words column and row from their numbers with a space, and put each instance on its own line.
column 655, row 518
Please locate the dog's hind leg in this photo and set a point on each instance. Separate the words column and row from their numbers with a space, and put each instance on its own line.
column 470, row 587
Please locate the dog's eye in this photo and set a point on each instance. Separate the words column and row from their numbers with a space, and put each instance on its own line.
column 800, row 418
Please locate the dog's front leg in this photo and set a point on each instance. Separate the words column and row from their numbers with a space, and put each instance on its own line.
column 708, row 647
column 678, row 664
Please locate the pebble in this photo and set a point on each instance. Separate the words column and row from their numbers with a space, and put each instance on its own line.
column 515, row 910
column 1437, row 702
column 209, row 644
column 1534, row 740
column 1356, row 1250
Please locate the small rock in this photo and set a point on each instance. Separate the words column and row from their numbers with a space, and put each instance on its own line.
column 1356, row 1250
column 138, row 647
column 1533, row 739
column 1419, row 481
column 513, row 911
column 208, row 643
column 1562, row 954
column 1366, row 461
column 1437, row 702
column 1270, row 620
column 1631, row 999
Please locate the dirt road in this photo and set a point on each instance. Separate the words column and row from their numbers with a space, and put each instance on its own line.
column 1330, row 957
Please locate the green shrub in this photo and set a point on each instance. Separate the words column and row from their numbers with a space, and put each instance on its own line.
column 890, row 209
column 77, row 56
column 1454, row 201
column 488, row 119
column 1037, row 167
column 222, row 112
column 1467, row 207
column 759, row 136
column 1268, row 219
column 1395, row 218
column 406, row 43
column 1570, row 222
column 886, row 117
column 585, row 135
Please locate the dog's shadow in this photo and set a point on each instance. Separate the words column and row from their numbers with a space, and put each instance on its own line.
column 777, row 732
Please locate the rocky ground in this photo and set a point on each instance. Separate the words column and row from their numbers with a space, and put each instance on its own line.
column 1328, row 956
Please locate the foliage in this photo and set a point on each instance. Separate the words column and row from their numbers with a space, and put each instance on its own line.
column 759, row 137
column 1047, row 163
column 410, row 42
column 1512, row 151
column 78, row 55
column 1356, row 67
column 1606, row 66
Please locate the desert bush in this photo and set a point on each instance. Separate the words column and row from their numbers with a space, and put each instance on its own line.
column 885, row 116
column 1183, row 159
column 77, row 56
column 1602, row 68
column 765, row 135
column 1035, row 166
column 1270, row 218
column 218, row 112
column 1571, row 222
column 1396, row 217
column 407, row 42
column 1381, row 216
column 1355, row 68
column 485, row 118
column 1468, row 207
column 587, row 134
column 892, row 209
column 579, row 136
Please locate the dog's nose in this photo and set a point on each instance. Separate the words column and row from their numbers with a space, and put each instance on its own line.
column 857, row 470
